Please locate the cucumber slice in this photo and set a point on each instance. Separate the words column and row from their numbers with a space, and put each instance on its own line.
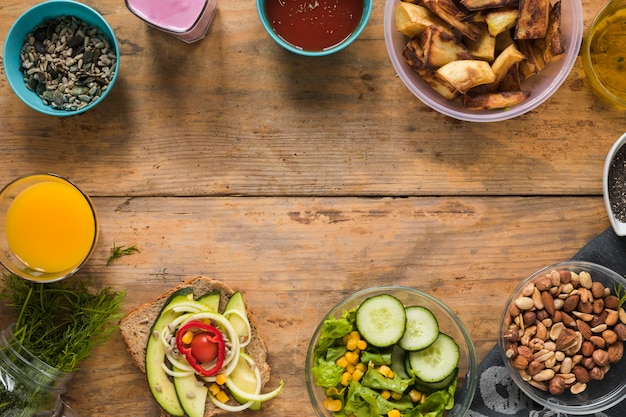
column 398, row 359
column 381, row 320
column 422, row 329
column 436, row 386
column 436, row 362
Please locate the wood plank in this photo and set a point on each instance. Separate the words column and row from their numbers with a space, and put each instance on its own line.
column 294, row 258
column 237, row 115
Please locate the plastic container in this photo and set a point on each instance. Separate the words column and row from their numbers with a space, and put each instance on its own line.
column 25, row 24
column 186, row 20
column 449, row 323
column 541, row 86
column 29, row 387
column 603, row 51
column 598, row 395
column 331, row 49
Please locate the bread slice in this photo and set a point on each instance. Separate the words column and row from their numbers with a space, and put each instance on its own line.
column 136, row 325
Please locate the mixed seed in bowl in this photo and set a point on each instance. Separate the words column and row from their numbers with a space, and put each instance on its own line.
column 68, row 62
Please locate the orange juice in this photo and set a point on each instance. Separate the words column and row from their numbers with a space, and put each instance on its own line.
column 50, row 226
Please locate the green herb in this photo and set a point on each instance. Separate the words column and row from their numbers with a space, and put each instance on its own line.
column 61, row 322
column 119, row 251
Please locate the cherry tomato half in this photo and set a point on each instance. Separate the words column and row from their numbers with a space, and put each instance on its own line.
column 203, row 349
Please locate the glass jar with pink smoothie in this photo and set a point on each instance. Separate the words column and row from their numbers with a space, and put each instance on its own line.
column 188, row 20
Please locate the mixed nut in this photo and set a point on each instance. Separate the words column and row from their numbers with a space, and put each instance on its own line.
column 67, row 62
column 564, row 330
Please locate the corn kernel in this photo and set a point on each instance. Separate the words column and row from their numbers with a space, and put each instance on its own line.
column 393, row 413
column 222, row 397
column 346, row 378
column 332, row 404
column 344, row 339
column 351, row 344
column 220, row 379
column 332, row 391
column 396, row 396
column 386, row 371
column 214, row 388
column 385, row 394
column 350, row 368
column 342, row 361
column 355, row 334
column 187, row 337
column 361, row 344
column 361, row 366
column 357, row 374
column 423, row 399
column 352, row 357
column 415, row 395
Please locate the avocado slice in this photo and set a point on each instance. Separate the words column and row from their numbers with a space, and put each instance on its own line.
column 244, row 378
column 211, row 300
column 191, row 394
column 161, row 386
column 236, row 303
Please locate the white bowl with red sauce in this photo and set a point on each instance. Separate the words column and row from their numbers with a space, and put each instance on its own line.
column 314, row 27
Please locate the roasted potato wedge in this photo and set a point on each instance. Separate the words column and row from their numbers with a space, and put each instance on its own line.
column 484, row 47
column 553, row 45
column 511, row 80
column 414, row 56
column 440, row 47
column 534, row 62
column 532, row 22
column 466, row 74
column 488, row 4
column 448, row 11
column 412, row 19
column 509, row 57
column 501, row 20
column 488, row 101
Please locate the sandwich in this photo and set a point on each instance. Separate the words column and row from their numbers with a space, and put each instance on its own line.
column 200, row 350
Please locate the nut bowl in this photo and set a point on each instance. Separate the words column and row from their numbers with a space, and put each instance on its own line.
column 566, row 329
column 50, row 11
column 541, row 85
column 448, row 322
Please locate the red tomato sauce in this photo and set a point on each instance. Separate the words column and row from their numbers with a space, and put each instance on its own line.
column 314, row 25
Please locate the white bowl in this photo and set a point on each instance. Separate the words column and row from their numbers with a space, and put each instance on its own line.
column 618, row 226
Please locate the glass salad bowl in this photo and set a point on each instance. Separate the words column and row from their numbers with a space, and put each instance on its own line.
column 320, row 359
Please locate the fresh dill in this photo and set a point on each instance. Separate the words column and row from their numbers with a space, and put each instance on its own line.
column 61, row 322
column 119, row 251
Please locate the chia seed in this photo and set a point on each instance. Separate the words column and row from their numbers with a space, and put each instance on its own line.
column 616, row 184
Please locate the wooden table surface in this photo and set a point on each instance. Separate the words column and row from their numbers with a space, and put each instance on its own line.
column 299, row 181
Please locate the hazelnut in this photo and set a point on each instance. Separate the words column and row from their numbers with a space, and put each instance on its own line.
column 600, row 357
column 609, row 336
column 556, row 385
column 620, row 329
column 611, row 302
column 616, row 352
column 535, row 367
column 596, row 373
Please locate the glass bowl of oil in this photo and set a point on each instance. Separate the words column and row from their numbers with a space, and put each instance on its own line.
column 603, row 57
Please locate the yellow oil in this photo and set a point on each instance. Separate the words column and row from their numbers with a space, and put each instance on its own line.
column 607, row 53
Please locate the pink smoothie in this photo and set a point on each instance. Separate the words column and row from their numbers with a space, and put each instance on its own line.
column 171, row 15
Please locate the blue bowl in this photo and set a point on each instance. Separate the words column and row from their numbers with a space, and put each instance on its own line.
column 25, row 24
column 367, row 11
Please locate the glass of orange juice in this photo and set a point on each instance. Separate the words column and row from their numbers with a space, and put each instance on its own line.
column 48, row 227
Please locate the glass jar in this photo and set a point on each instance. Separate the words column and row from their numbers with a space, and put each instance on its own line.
column 29, row 387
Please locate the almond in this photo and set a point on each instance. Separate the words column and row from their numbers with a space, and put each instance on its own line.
column 567, row 338
column 584, row 329
column 571, row 302
column 597, row 289
column 582, row 375
column 548, row 302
